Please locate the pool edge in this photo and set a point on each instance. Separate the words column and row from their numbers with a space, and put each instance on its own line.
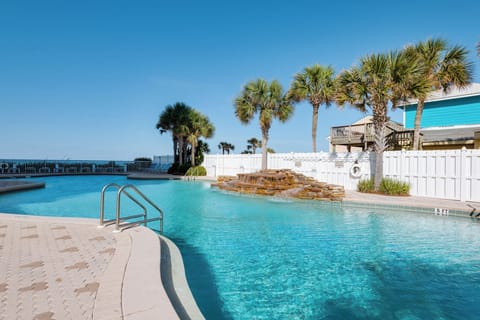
column 174, row 281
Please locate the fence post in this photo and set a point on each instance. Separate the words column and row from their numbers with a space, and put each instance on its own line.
column 401, row 173
column 463, row 180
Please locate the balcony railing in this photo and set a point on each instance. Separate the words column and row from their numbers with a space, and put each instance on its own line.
column 363, row 135
column 355, row 134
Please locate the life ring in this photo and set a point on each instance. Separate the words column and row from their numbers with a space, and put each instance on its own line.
column 356, row 171
column 4, row 166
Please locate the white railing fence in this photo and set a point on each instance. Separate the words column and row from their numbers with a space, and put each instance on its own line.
column 452, row 174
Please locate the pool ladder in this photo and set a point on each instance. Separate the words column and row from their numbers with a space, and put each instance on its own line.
column 124, row 222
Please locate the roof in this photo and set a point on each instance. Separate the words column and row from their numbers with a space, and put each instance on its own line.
column 369, row 119
column 366, row 119
column 449, row 134
column 453, row 93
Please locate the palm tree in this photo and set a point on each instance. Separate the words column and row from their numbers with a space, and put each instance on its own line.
column 225, row 146
column 370, row 86
column 406, row 78
column 315, row 84
column 443, row 67
column 380, row 80
column 269, row 101
column 199, row 126
column 253, row 143
column 175, row 119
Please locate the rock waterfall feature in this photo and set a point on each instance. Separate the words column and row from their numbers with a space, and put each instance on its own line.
column 281, row 183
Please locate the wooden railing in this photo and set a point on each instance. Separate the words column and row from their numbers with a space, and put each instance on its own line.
column 352, row 134
column 399, row 140
column 364, row 134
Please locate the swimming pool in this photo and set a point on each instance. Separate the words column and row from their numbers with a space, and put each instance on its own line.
column 257, row 258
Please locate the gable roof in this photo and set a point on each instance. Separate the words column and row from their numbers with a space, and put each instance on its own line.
column 454, row 93
column 395, row 126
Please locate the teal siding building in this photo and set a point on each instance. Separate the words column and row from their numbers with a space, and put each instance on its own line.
column 451, row 112
column 449, row 121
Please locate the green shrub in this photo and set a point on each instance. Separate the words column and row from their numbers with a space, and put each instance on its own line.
column 394, row 187
column 387, row 186
column 365, row 185
column 173, row 168
column 179, row 169
column 196, row 171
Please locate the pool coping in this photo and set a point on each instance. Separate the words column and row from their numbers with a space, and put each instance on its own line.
column 427, row 205
column 19, row 185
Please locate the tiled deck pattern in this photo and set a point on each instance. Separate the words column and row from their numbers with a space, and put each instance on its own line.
column 64, row 268
column 51, row 270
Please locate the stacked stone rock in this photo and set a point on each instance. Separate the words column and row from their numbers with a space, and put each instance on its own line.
column 283, row 183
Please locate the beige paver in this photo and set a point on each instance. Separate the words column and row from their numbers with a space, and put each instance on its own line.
column 63, row 268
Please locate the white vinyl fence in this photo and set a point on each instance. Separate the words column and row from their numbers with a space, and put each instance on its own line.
column 452, row 174
column 449, row 174
column 329, row 167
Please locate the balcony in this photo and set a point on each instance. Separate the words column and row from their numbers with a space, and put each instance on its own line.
column 363, row 136
column 358, row 135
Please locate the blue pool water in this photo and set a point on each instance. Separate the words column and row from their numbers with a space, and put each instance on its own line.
column 259, row 258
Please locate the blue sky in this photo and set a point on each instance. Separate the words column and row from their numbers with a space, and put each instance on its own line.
column 88, row 79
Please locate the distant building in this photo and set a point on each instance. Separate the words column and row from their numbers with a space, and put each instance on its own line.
column 450, row 120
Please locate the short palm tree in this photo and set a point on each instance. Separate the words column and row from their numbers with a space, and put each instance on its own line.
column 442, row 68
column 315, row 84
column 199, row 126
column 269, row 101
column 253, row 143
column 175, row 119
column 226, row 147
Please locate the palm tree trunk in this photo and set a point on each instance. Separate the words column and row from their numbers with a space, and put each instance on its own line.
column 314, row 127
column 193, row 155
column 180, row 151
column 184, row 151
column 416, row 126
column 175, row 155
column 264, row 148
column 379, row 123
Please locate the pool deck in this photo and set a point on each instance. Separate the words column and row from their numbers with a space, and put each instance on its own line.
column 412, row 202
column 67, row 268
column 19, row 185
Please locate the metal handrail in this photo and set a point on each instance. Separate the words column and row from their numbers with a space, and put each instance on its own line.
column 118, row 218
column 104, row 222
column 146, row 220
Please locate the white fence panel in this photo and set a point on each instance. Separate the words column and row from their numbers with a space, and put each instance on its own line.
column 450, row 174
column 329, row 167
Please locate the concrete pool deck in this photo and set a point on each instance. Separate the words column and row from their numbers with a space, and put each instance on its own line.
column 67, row 268
column 411, row 202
